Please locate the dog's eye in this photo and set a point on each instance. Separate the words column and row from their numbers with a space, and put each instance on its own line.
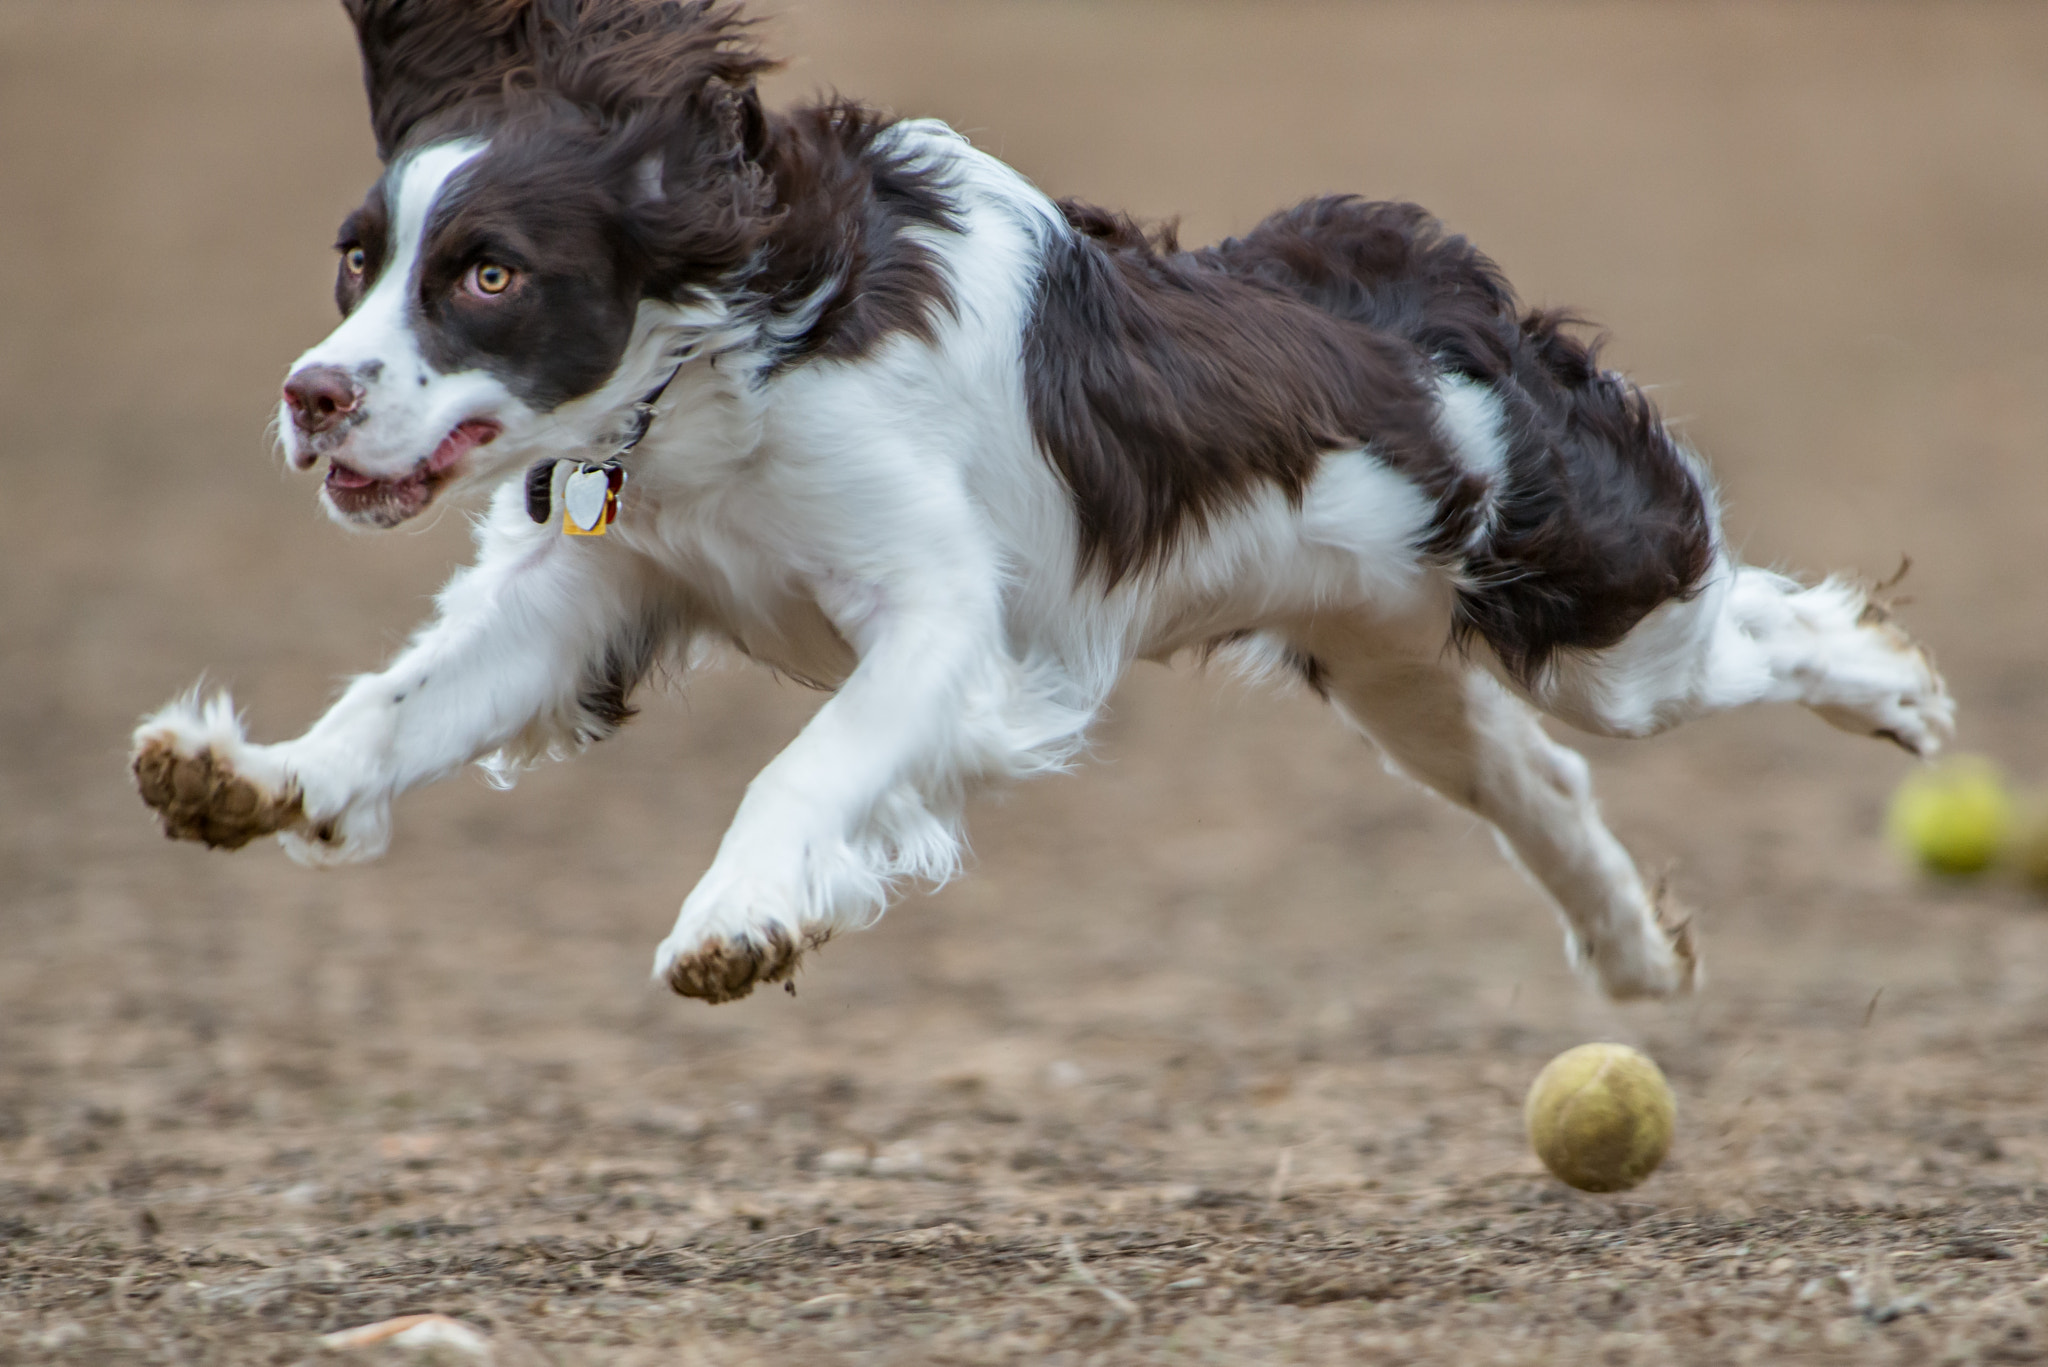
column 355, row 260
column 489, row 279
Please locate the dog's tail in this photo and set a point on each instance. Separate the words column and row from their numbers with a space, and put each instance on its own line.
column 1585, row 514
column 1596, row 517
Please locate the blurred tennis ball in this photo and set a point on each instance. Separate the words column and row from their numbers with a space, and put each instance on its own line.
column 1954, row 818
column 1600, row 1117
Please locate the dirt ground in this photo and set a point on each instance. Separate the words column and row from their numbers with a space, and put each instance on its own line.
column 1217, row 1055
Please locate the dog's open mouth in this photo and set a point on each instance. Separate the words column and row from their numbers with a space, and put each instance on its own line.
column 388, row 502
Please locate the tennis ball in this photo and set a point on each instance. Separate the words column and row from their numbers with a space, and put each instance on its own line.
column 1954, row 818
column 1600, row 1117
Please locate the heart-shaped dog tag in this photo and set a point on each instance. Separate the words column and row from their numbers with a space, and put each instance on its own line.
column 584, row 495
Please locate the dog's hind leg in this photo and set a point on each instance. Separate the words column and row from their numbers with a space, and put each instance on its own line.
column 1750, row 635
column 1452, row 726
column 1597, row 576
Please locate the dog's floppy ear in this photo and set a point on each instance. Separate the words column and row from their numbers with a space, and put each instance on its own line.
column 424, row 56
column 703, row 201
column 610, row 57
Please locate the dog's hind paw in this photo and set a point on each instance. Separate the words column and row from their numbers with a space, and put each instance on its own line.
column 725, row 970
column 182, row 767
column 1871, row 678
column 1660, row 962
column 1918, row 716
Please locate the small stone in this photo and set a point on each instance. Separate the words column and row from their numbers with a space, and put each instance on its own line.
column 844, row 1162
column 417, row 1332
column 898, row 1162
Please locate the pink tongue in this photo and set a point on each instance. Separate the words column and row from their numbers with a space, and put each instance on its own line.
column 457, row 444
column 460, row 443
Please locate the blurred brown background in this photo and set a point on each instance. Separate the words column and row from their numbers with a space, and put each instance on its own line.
column 1818, row 229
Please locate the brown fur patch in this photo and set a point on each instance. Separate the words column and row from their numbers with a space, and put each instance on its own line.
column 199, row 797
column 727, row 970
column 1167, row 386
column 612, row 58
column 1600, row 518
column 578, row 97
column 843, row 200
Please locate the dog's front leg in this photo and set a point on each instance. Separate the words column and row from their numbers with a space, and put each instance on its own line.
column 867, row 794
column 526, row 650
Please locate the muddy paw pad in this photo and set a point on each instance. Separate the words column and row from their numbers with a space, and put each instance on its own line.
column 727, row 970
column 201, row 798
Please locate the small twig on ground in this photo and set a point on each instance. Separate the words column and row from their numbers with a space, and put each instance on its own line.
column 1118, row 1301
column 640, row 1247
column 1281, row 1171
column 778, row 1239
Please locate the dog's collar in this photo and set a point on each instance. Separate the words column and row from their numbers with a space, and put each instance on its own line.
column 643, row 411
column 587, row 510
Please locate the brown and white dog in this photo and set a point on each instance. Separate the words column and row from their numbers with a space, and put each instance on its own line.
column 918, row 434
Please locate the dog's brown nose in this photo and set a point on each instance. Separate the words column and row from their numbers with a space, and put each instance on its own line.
column 321, row 396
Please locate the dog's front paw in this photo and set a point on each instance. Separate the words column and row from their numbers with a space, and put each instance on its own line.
column 777, row 890
column 725, row 969
column 740, row 929
column 185, row 764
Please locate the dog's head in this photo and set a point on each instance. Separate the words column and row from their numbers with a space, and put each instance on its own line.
column 552, row 168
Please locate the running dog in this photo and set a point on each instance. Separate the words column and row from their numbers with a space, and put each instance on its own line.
column 856, row 399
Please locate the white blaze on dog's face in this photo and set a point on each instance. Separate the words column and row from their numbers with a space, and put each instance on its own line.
column 483, row 287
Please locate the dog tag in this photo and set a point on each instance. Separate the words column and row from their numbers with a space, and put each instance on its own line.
column 587, row 501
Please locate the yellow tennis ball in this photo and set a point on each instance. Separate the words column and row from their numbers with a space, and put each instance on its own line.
column 1954, row 818
column 1600, row 1117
